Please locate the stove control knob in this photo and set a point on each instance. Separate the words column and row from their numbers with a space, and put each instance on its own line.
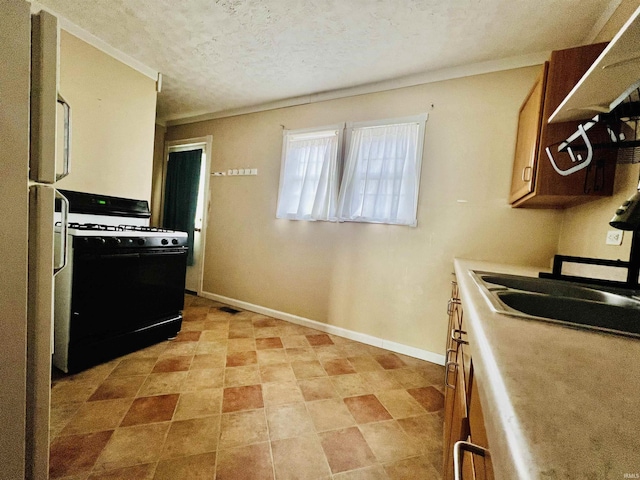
column 164, row 241
column 114, row 241
column 98, row 241
column 140, row 241
column 174, row 241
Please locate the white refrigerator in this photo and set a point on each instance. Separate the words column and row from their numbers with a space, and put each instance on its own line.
column 34, row 155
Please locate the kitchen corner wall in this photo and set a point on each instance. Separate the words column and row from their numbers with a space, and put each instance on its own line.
column 158, row 170
column 584, row 228
column 113, row 118
column 390, row 282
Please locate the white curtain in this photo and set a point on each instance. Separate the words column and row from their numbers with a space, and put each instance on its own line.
column 380, row 182
column 308, row 187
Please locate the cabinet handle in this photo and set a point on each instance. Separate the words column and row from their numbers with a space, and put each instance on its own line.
column 526, row 174
column 447, row 370
column 462, row 446
column 451, row 303
column 447, row 361
column 458, row 339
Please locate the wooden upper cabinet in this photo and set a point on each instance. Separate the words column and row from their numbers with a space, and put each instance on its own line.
column 535, row 182
column 529, row 120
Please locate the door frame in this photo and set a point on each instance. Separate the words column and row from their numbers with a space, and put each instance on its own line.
column 207, row 142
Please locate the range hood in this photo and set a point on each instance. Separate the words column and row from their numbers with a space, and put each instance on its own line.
column 612, row 77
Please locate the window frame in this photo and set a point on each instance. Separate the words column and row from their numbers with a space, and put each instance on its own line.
column 286, row 136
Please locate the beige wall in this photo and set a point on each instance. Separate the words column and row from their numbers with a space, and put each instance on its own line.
column 585, row 227
column 113, row 117
column 391, row 282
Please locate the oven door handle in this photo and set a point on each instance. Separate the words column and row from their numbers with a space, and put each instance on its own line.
column 164, row 252
column 118, row 255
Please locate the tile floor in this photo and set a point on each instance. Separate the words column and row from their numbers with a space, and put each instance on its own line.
column 245, row 396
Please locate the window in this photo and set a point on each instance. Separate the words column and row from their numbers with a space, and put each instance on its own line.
column 309, row 173
column 382, row 172
column 381, row 175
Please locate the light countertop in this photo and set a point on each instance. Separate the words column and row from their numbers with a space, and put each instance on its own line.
column 559, row 403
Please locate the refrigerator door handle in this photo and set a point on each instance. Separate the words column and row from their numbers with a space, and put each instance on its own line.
column 64, row 213
column 67, row 138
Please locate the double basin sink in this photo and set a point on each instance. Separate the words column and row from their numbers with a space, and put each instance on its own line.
column 570, row 304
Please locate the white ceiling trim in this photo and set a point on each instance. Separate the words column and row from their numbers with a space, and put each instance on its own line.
column 94, row 41
column 408, row 81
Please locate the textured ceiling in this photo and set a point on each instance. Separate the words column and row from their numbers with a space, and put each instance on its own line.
column 218, row 55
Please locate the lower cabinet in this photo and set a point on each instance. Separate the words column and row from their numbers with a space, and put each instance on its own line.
column 466, row 449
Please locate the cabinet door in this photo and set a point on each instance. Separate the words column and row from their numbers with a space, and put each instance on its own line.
column 566, row 68
column 457, row 422
column 483, row 469
column 527, row 140
column 450, row 399
column 450, row 380
column 453, row 370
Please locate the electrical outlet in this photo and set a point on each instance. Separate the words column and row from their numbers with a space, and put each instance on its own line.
column 614, row 237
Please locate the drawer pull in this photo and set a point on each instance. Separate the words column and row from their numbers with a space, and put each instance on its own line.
column 451, row 303
column 458, row 339
column 462, row 446
column 446, row 363
column 447, row 370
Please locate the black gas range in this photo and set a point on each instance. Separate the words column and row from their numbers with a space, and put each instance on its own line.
column 123, row 287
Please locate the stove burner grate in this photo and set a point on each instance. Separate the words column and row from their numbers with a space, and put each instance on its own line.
column 138, row 228
column 91, row 226
column 114, row 228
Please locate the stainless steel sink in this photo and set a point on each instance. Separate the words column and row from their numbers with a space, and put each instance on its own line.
column 573, row 305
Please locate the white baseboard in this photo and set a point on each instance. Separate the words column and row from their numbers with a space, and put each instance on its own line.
column 331, row 329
